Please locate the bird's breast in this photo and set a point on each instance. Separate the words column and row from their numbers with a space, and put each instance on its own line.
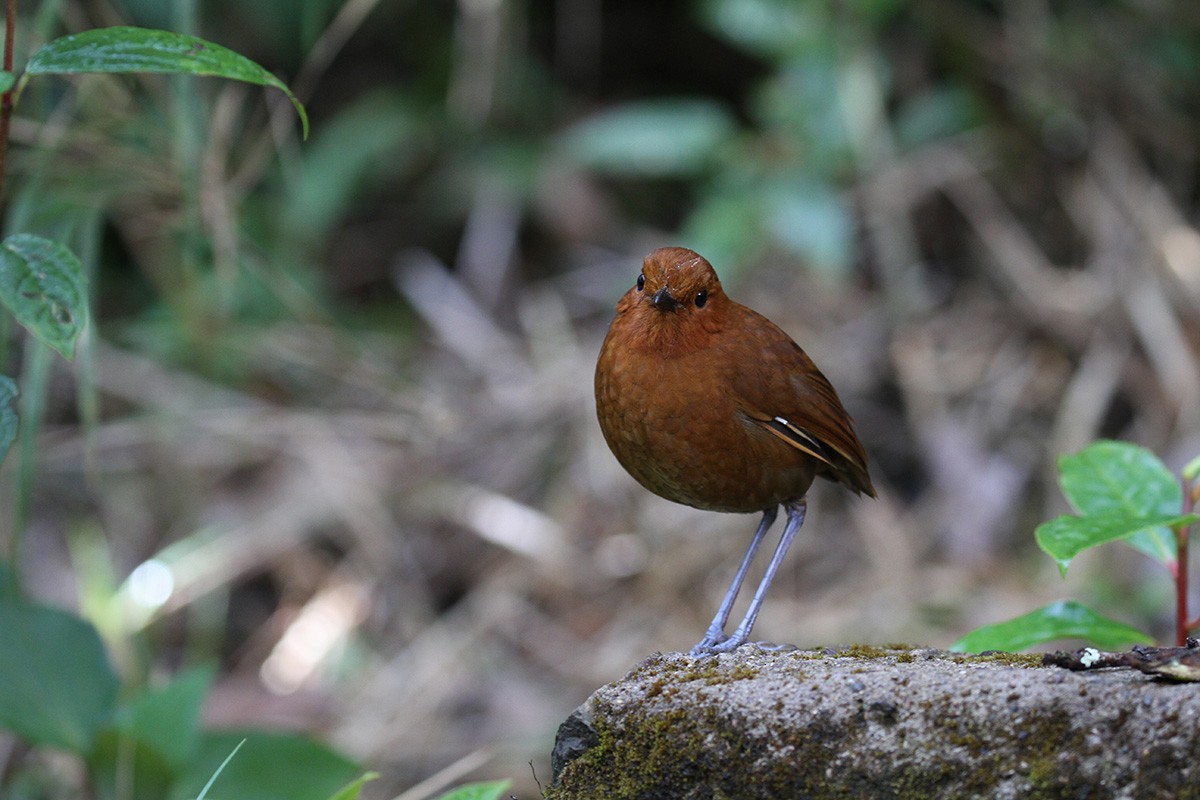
column 678, row 426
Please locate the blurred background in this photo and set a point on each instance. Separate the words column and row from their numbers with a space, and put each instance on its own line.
column 332, row 426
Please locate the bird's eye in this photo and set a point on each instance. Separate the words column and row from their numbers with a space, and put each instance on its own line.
column 641, row 284
column 701, row 298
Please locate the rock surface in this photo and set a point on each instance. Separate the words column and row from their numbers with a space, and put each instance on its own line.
column 866, row 722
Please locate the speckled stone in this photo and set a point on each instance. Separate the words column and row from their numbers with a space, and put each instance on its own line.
column 866, row 722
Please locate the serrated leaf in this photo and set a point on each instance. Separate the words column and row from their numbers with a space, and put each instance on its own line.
column 488, row 790
column 42, row 284
column 351, row 790
column 1065, row 619
column 9, row 420
column 127, row 49
column 1065, row 537
column 1119, row 477
column 651, row 137
column 57, row 686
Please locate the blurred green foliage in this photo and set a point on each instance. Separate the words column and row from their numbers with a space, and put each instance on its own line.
column 58, row 688
column 61, row 691
column 812, row 96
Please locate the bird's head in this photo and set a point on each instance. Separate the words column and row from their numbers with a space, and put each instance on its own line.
column 676, row 280
column 676, row 302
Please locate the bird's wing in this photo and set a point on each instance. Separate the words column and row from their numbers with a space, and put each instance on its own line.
column 842, row 456
column 797, row 437
column 792, row 400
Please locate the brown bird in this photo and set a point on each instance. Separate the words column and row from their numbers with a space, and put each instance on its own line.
column 708, row 403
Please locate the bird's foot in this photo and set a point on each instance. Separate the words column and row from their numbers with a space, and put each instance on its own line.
column 713, row 637
column 708, row 646
column 720, row 643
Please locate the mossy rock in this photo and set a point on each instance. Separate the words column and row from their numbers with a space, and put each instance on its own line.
column 879, row 722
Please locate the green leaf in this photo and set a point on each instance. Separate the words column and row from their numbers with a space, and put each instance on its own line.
column 1158, row 543
column 7, row 81
column 8, row 417
column 127, row 49
column 806, row 101
column 651, row 137
column 42, row 284
column 220, row 768
column 1118, row 477
column 770, row 29
column 935, row 114
column 352, row 789
column 116, row 760
column 489, row 790
column 271, row 766
column 1109, row 477
column 375, row 138
column 1064, row 619
column 158, row 733
column 168, row 719
column 811, row 219
column 724, row 225
column 57, row 686
column 1065, row 537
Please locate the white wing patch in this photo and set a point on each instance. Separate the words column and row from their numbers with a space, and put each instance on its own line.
column 799, row 438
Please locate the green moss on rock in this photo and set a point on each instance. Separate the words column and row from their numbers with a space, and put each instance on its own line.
column 868, row 721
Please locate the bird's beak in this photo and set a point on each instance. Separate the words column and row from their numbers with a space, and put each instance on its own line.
column 663, row 300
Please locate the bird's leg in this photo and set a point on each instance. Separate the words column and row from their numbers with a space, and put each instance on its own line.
column 716, row 631
column 795, row 518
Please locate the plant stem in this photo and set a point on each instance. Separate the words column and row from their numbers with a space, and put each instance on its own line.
column 35, row 380
column 1184, row 625
column 6, row 106
column 1181, row 585
column 6, row 99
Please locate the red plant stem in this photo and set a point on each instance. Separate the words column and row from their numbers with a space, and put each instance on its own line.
column 1181, row 585
column 1184, row 626
column 6, row 99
